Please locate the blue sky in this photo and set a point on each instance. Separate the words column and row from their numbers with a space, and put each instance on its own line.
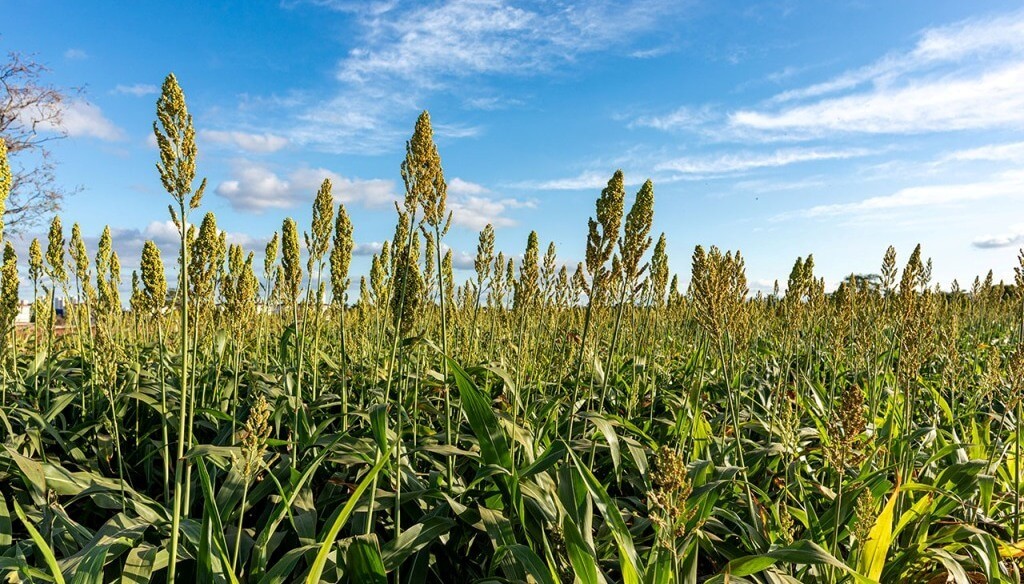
column 778, row 128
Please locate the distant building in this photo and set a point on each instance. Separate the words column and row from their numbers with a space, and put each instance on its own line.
column 24, row 315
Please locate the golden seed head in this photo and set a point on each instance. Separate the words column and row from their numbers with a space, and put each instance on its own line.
column 526, row 286
column 55, row 251
column 636, row 239
column 603, row 233
column 8, row 288
column 154, row 280
column 176, row 139
column 291, row 268
column 6, row 183
column 254, row 437
column 659, row 272
column 323, row 216
column 423, row 175
column 484, row 254
column 341, row 254
column 35, row 260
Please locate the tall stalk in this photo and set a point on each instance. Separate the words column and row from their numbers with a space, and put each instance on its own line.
column 175, row 138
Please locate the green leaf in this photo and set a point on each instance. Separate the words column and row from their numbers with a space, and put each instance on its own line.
column 140, row 563
column 493, row 443
column 528, row 560
column 37, row 538
column 217, row 528
column 879, row 539
column 581, row 556
column 802, row 552
column 414, row 539
column 259, row 555
column 317, row 569
column 6, row 531
column 363, row 561
column 629, row 560
column 90, row 570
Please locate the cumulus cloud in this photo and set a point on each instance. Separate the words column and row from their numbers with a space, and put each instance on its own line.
column 461, row 260
column 257, row 188
column 78, row 118
column 250, row 142
column 82, row 118
column 1011, row 239
column 474, row 206
column 367, row 249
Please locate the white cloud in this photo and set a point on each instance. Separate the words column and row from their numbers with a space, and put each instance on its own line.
column 583, row 181
column 256, row 188
column 1007, row 184
column 163, row 233
column 968, row 75
column 999, row 241
column 474, row 206
column 367, row 249
column 428, row 42
column 75, row 54
column 652, row 52
column 457, row 186
column 137, row 89
column 995, row 36
column 79, row 119
column 743, row 161
column 991, row 99
column 491, row 103
column 82, row 118
column 249, row 142
column 461, row 260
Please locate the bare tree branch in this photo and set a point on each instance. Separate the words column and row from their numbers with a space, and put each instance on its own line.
column 31, row 115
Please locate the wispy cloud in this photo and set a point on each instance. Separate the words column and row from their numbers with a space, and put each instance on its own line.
column 75, row 54
column 965, row 76
column 1006, row 184
column 744, row 161
column 960, row 101
column 1010, row 152
column 683, row 118
column 491, row 103
column 249, row 142
column 137, row 89
column 993, row 37
column 256, row 188
column 584, row 180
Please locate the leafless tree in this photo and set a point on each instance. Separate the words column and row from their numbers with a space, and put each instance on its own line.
column 31, row 116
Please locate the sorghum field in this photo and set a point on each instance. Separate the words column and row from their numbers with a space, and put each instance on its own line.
column 537, row 423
